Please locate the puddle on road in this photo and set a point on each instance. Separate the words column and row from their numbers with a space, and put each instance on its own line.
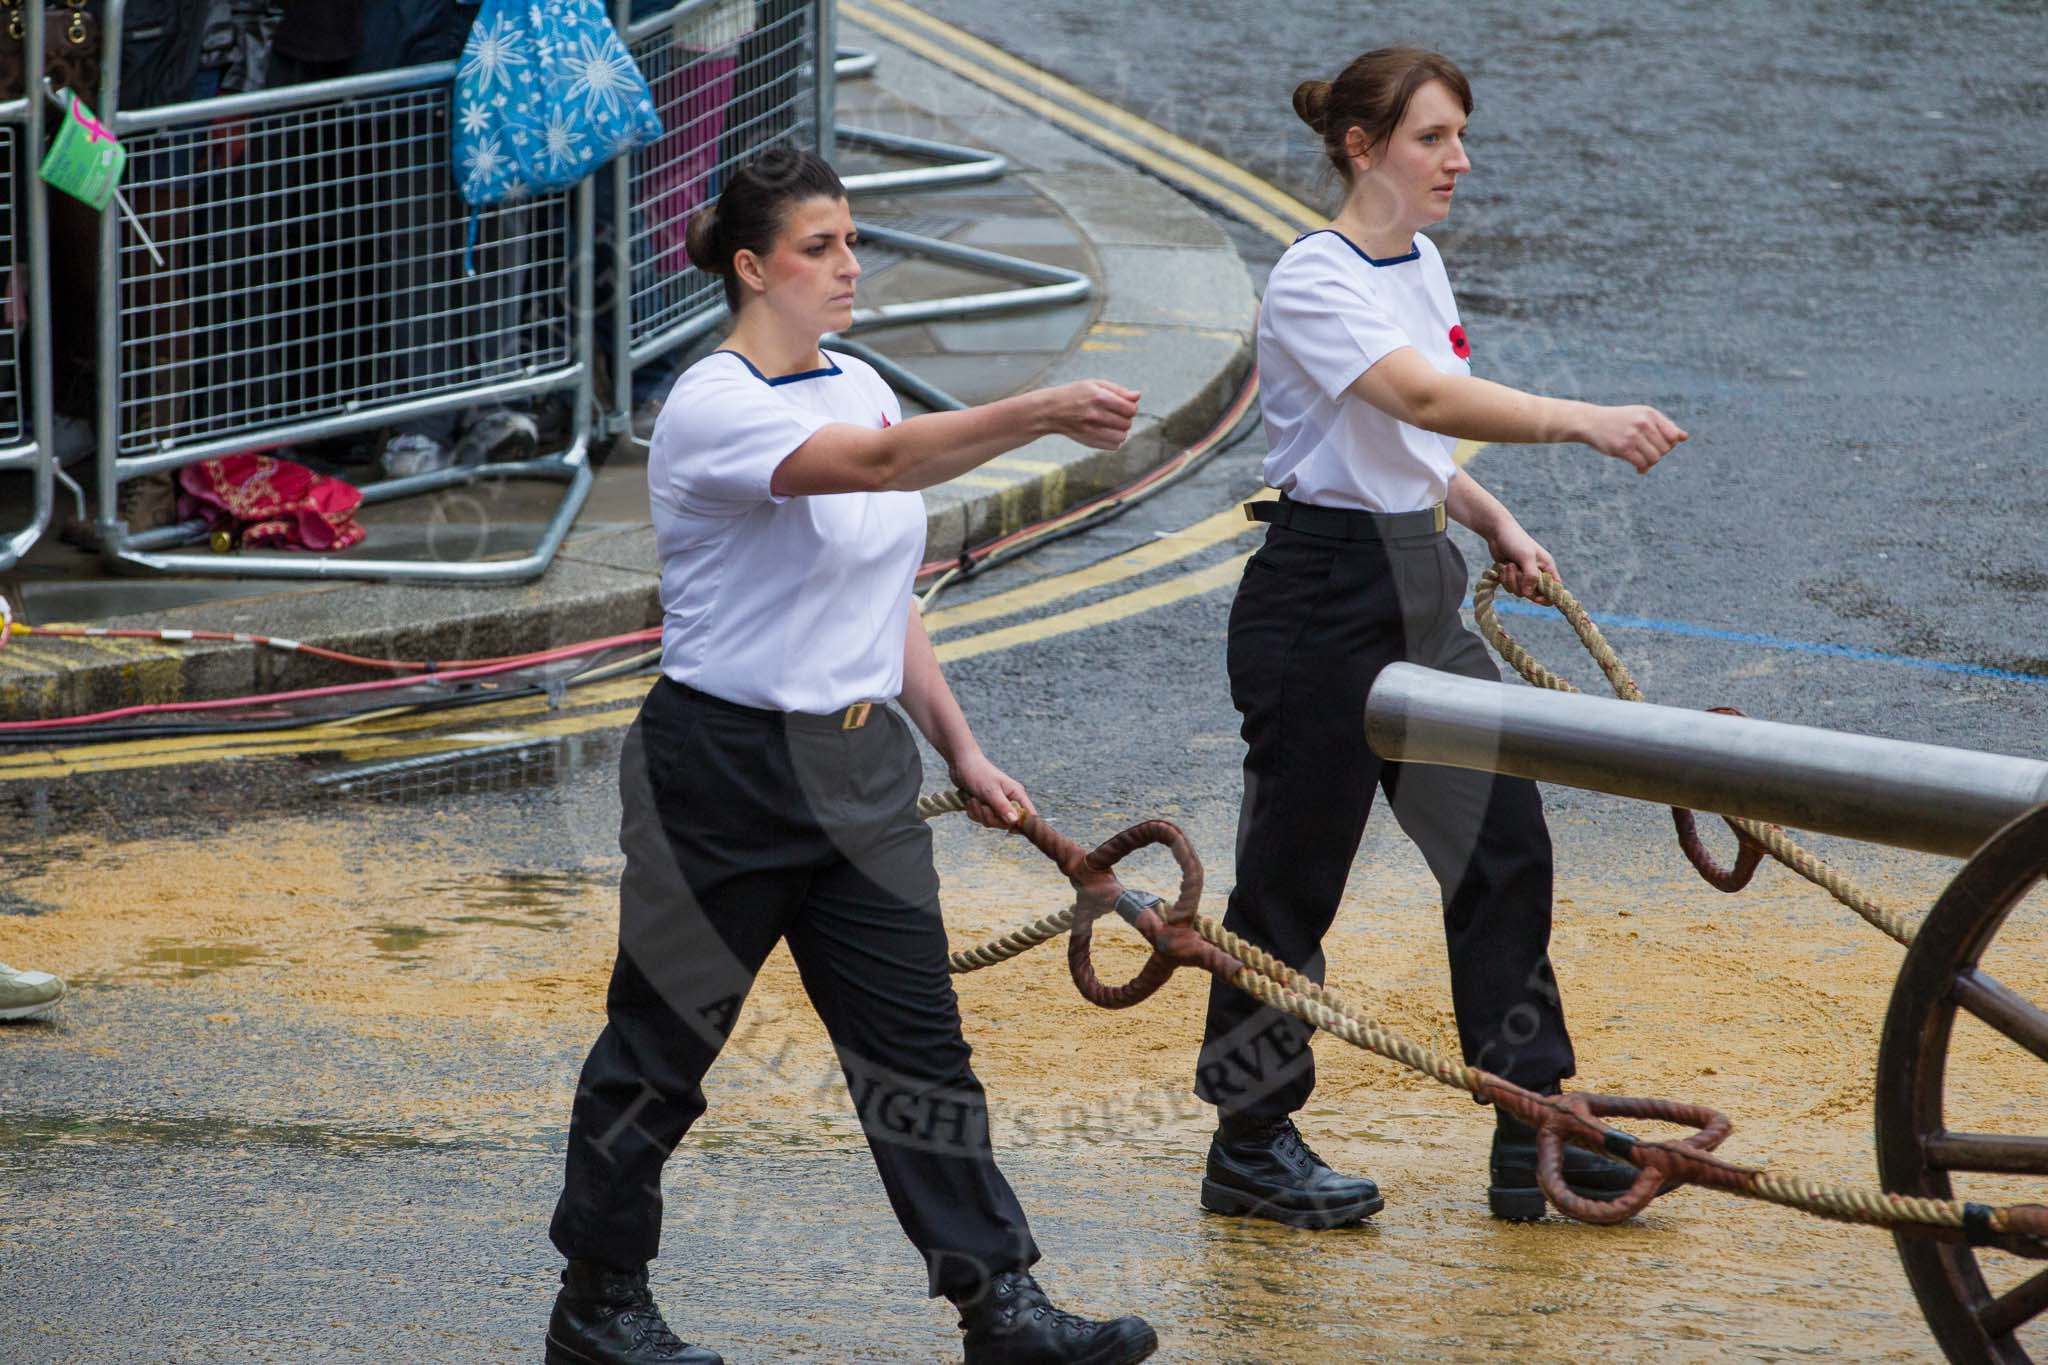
column 197, row 959
column 518, row 899
column 401, row 942
column 540, row 902
column 21, row 1134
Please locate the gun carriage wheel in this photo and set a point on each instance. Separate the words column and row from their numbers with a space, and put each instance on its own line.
column 1917, row 1151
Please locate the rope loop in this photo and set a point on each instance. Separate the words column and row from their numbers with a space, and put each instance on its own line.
column 1571, row 1116
column 1097, row 891
column 1754, row 838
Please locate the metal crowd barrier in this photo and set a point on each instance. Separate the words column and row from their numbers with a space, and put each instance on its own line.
column 730, row 78
column 26, row 442
column 314, row 286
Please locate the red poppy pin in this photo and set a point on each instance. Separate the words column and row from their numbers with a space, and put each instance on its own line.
column 885, row 421
column 1460, row 347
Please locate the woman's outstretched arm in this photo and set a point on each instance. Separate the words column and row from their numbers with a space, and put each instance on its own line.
column 928, row 450
column 1406, row 386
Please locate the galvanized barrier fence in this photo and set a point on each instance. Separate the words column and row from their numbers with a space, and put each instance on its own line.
column 313, row 286
column 730, row 78
column 311, row 280
column 26, row 440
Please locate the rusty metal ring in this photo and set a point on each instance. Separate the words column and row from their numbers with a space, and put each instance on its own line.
column 1656, row 1176
column 1099, row 892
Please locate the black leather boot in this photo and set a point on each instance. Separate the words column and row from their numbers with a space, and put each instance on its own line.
column 605, row 1316
column 1010, row 1322
column 1514, row 1194
column 1261, row 1168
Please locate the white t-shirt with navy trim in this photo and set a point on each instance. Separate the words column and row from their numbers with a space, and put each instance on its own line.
column 1331, row 313
column 793, row 604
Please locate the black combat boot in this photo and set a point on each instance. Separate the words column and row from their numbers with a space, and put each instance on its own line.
column 1514, row 1194
column 1008, row 1321
column 1260, row 1167
column 605, row 1316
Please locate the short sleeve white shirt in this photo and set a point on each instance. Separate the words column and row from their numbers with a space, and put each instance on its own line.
column 792, row 604
column 1330, row 314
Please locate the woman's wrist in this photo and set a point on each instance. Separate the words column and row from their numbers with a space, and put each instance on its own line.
column 1040, row 412
column 1572, row 421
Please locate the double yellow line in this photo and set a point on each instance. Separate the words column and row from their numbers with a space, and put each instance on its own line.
column 1089, row 117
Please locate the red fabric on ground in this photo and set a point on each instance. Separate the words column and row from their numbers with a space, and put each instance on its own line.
column 276, row 504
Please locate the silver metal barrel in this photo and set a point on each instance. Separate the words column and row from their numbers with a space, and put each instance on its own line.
column 1886, row 791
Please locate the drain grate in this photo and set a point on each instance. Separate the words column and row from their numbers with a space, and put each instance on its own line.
column 486, row 768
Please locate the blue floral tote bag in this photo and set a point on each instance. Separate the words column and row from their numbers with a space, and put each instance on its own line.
column 545, row 94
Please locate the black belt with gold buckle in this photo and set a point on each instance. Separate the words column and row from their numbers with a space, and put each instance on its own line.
column 1346, row 523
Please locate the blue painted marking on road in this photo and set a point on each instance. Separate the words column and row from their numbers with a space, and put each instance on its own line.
column 1745, row 637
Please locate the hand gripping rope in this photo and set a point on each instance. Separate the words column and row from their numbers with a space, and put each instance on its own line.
column 1181, row 937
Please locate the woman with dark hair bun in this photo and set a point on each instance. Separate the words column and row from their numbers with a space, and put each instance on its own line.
column 770, row 792
column 1366, row 389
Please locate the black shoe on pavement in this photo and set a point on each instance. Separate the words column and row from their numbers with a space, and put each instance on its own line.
column 1514, row 1195
column 606, row 1316
column 1010, row 1322
column 1262, row 1169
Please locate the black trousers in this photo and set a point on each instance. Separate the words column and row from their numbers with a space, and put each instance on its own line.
column 1315, row 621
column 742, row 828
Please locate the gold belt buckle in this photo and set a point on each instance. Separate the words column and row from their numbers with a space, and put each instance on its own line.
column 1438, row 521
column 856, row 715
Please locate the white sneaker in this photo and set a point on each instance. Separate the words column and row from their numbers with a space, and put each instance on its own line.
column 410, row 454
column 498, row 435
column 28, row 995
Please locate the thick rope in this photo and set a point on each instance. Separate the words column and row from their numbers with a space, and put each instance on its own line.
column 1770, row 838
column 1275, row 984
column 1020, row 940
column 1575, row 1118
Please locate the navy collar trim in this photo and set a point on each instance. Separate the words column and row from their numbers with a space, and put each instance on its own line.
column 831, row 368
column 1414, row 252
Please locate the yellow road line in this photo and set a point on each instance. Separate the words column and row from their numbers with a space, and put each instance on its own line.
column 1176, row 171
column 987, row 478
column 328, row 739
column 1283, row 206
column 1097, row 614
column 387, row 733
column 1227, row 525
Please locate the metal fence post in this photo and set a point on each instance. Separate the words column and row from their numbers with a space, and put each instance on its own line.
column 33, row 408
column 825, row 73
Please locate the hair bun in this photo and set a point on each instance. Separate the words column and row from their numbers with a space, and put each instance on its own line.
column 700, row 239
column 1312, row 104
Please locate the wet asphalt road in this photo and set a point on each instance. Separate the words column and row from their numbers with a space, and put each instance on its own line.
column 1813, row 232
column 1810, row 232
